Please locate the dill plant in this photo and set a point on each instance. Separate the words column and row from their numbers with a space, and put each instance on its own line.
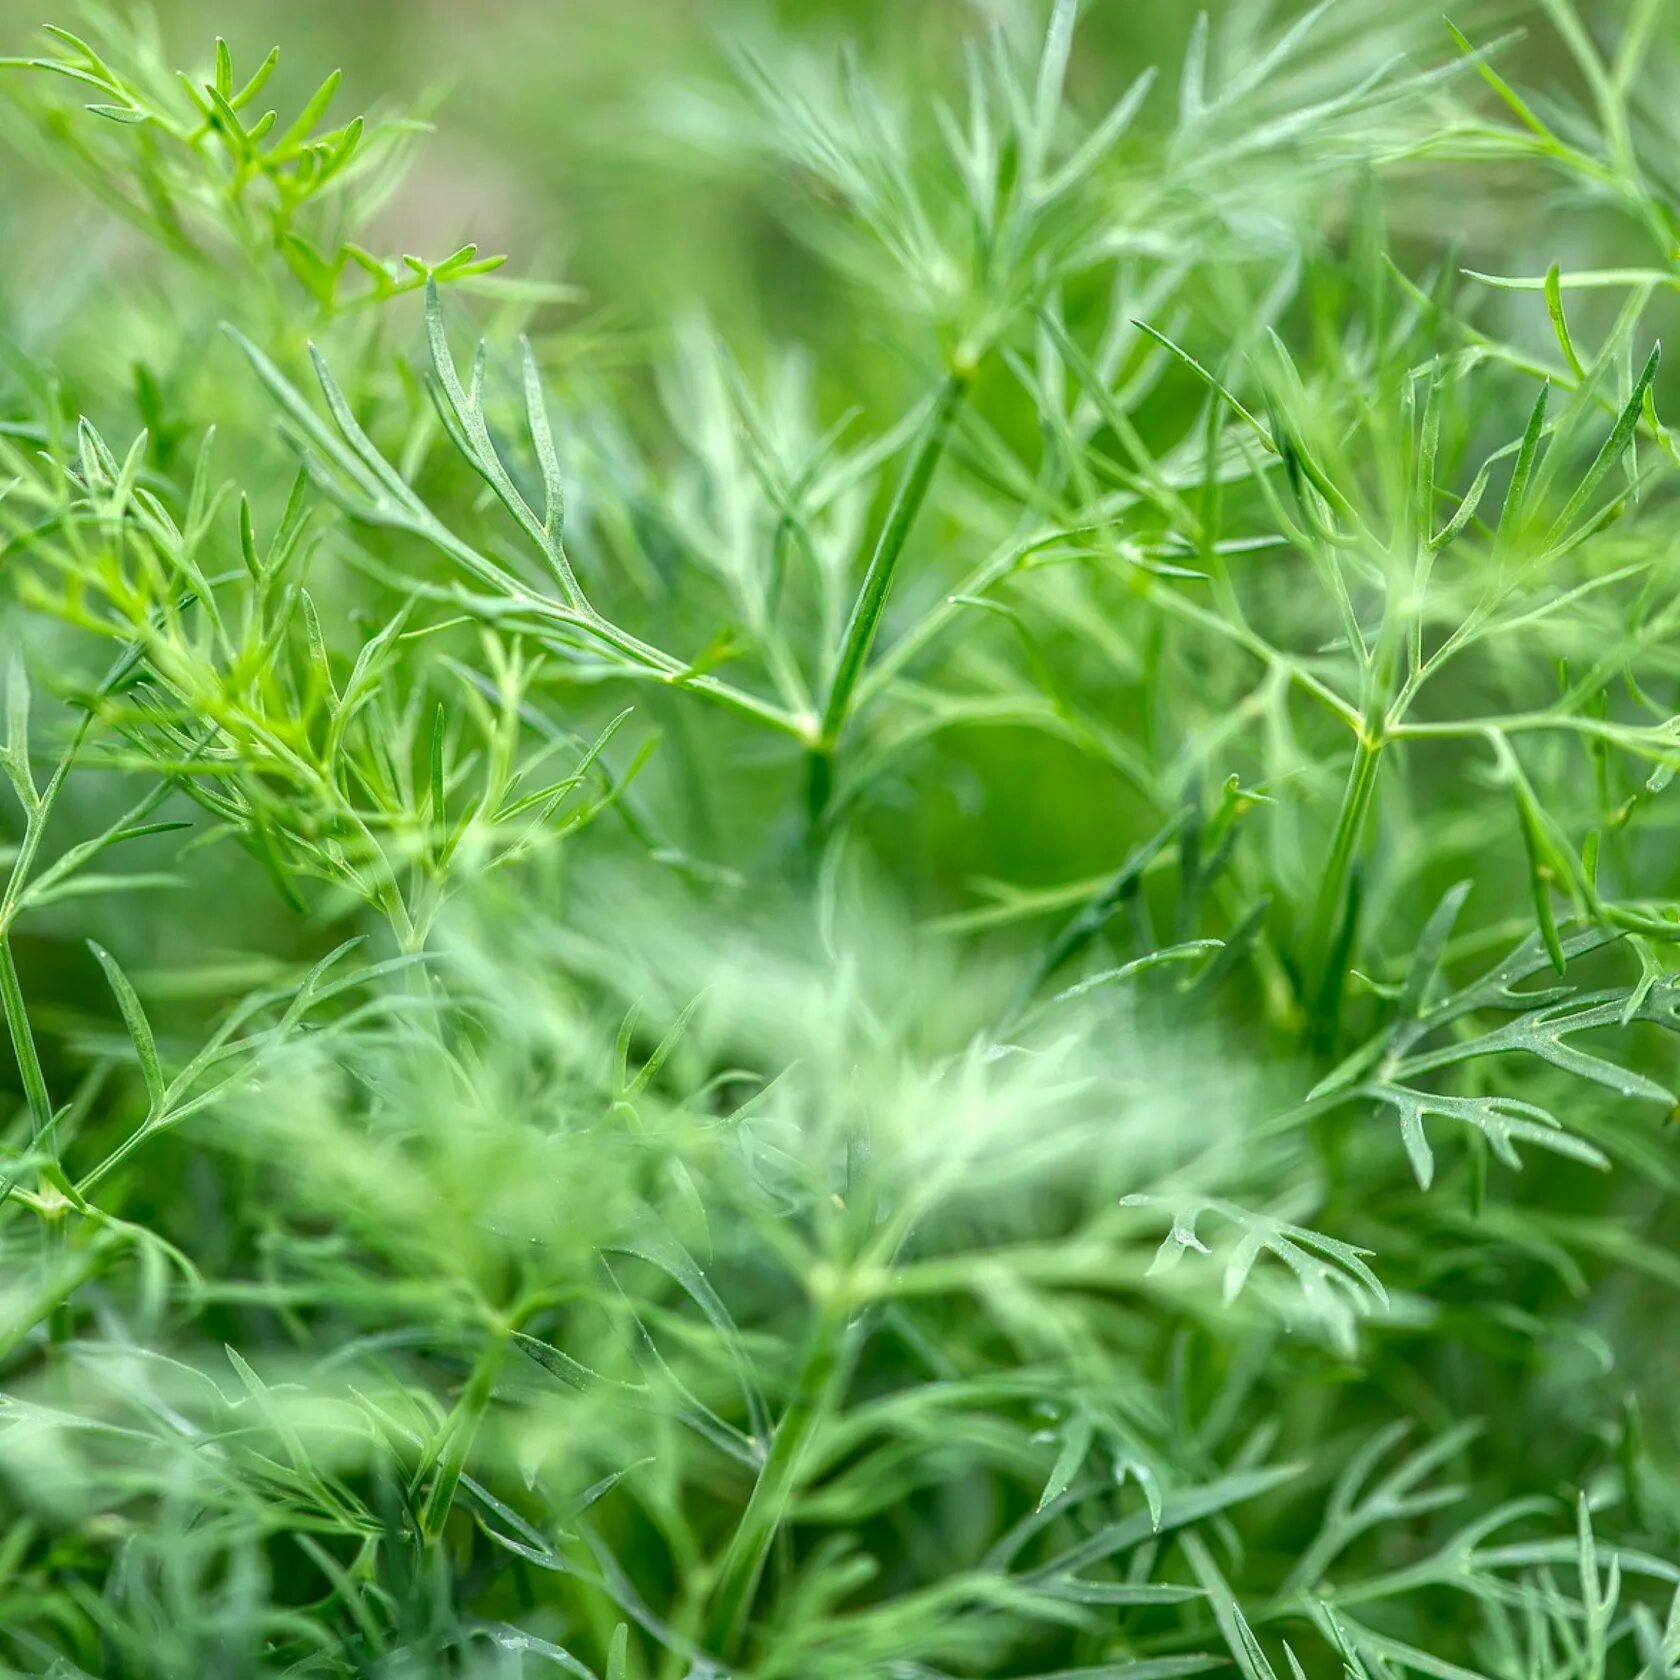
column 868, row 1009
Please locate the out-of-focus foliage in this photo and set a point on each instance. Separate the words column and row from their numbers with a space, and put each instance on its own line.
column 929, row 934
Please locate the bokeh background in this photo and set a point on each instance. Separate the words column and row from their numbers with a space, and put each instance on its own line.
column 570, row 134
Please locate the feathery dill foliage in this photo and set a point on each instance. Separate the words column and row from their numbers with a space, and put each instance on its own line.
column 858, row 996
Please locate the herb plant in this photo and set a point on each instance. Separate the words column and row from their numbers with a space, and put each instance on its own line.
column 937, row 943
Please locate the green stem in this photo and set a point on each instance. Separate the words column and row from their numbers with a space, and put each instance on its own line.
column 35, row 1093
column 23, row 1043
column 877, row 585
column 743, row 1564
column 462, row 1432
column 1325, row 948
column 59, row 1281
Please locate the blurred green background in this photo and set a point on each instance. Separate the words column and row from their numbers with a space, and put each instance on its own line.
column 554, row 121
column 564, row 127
